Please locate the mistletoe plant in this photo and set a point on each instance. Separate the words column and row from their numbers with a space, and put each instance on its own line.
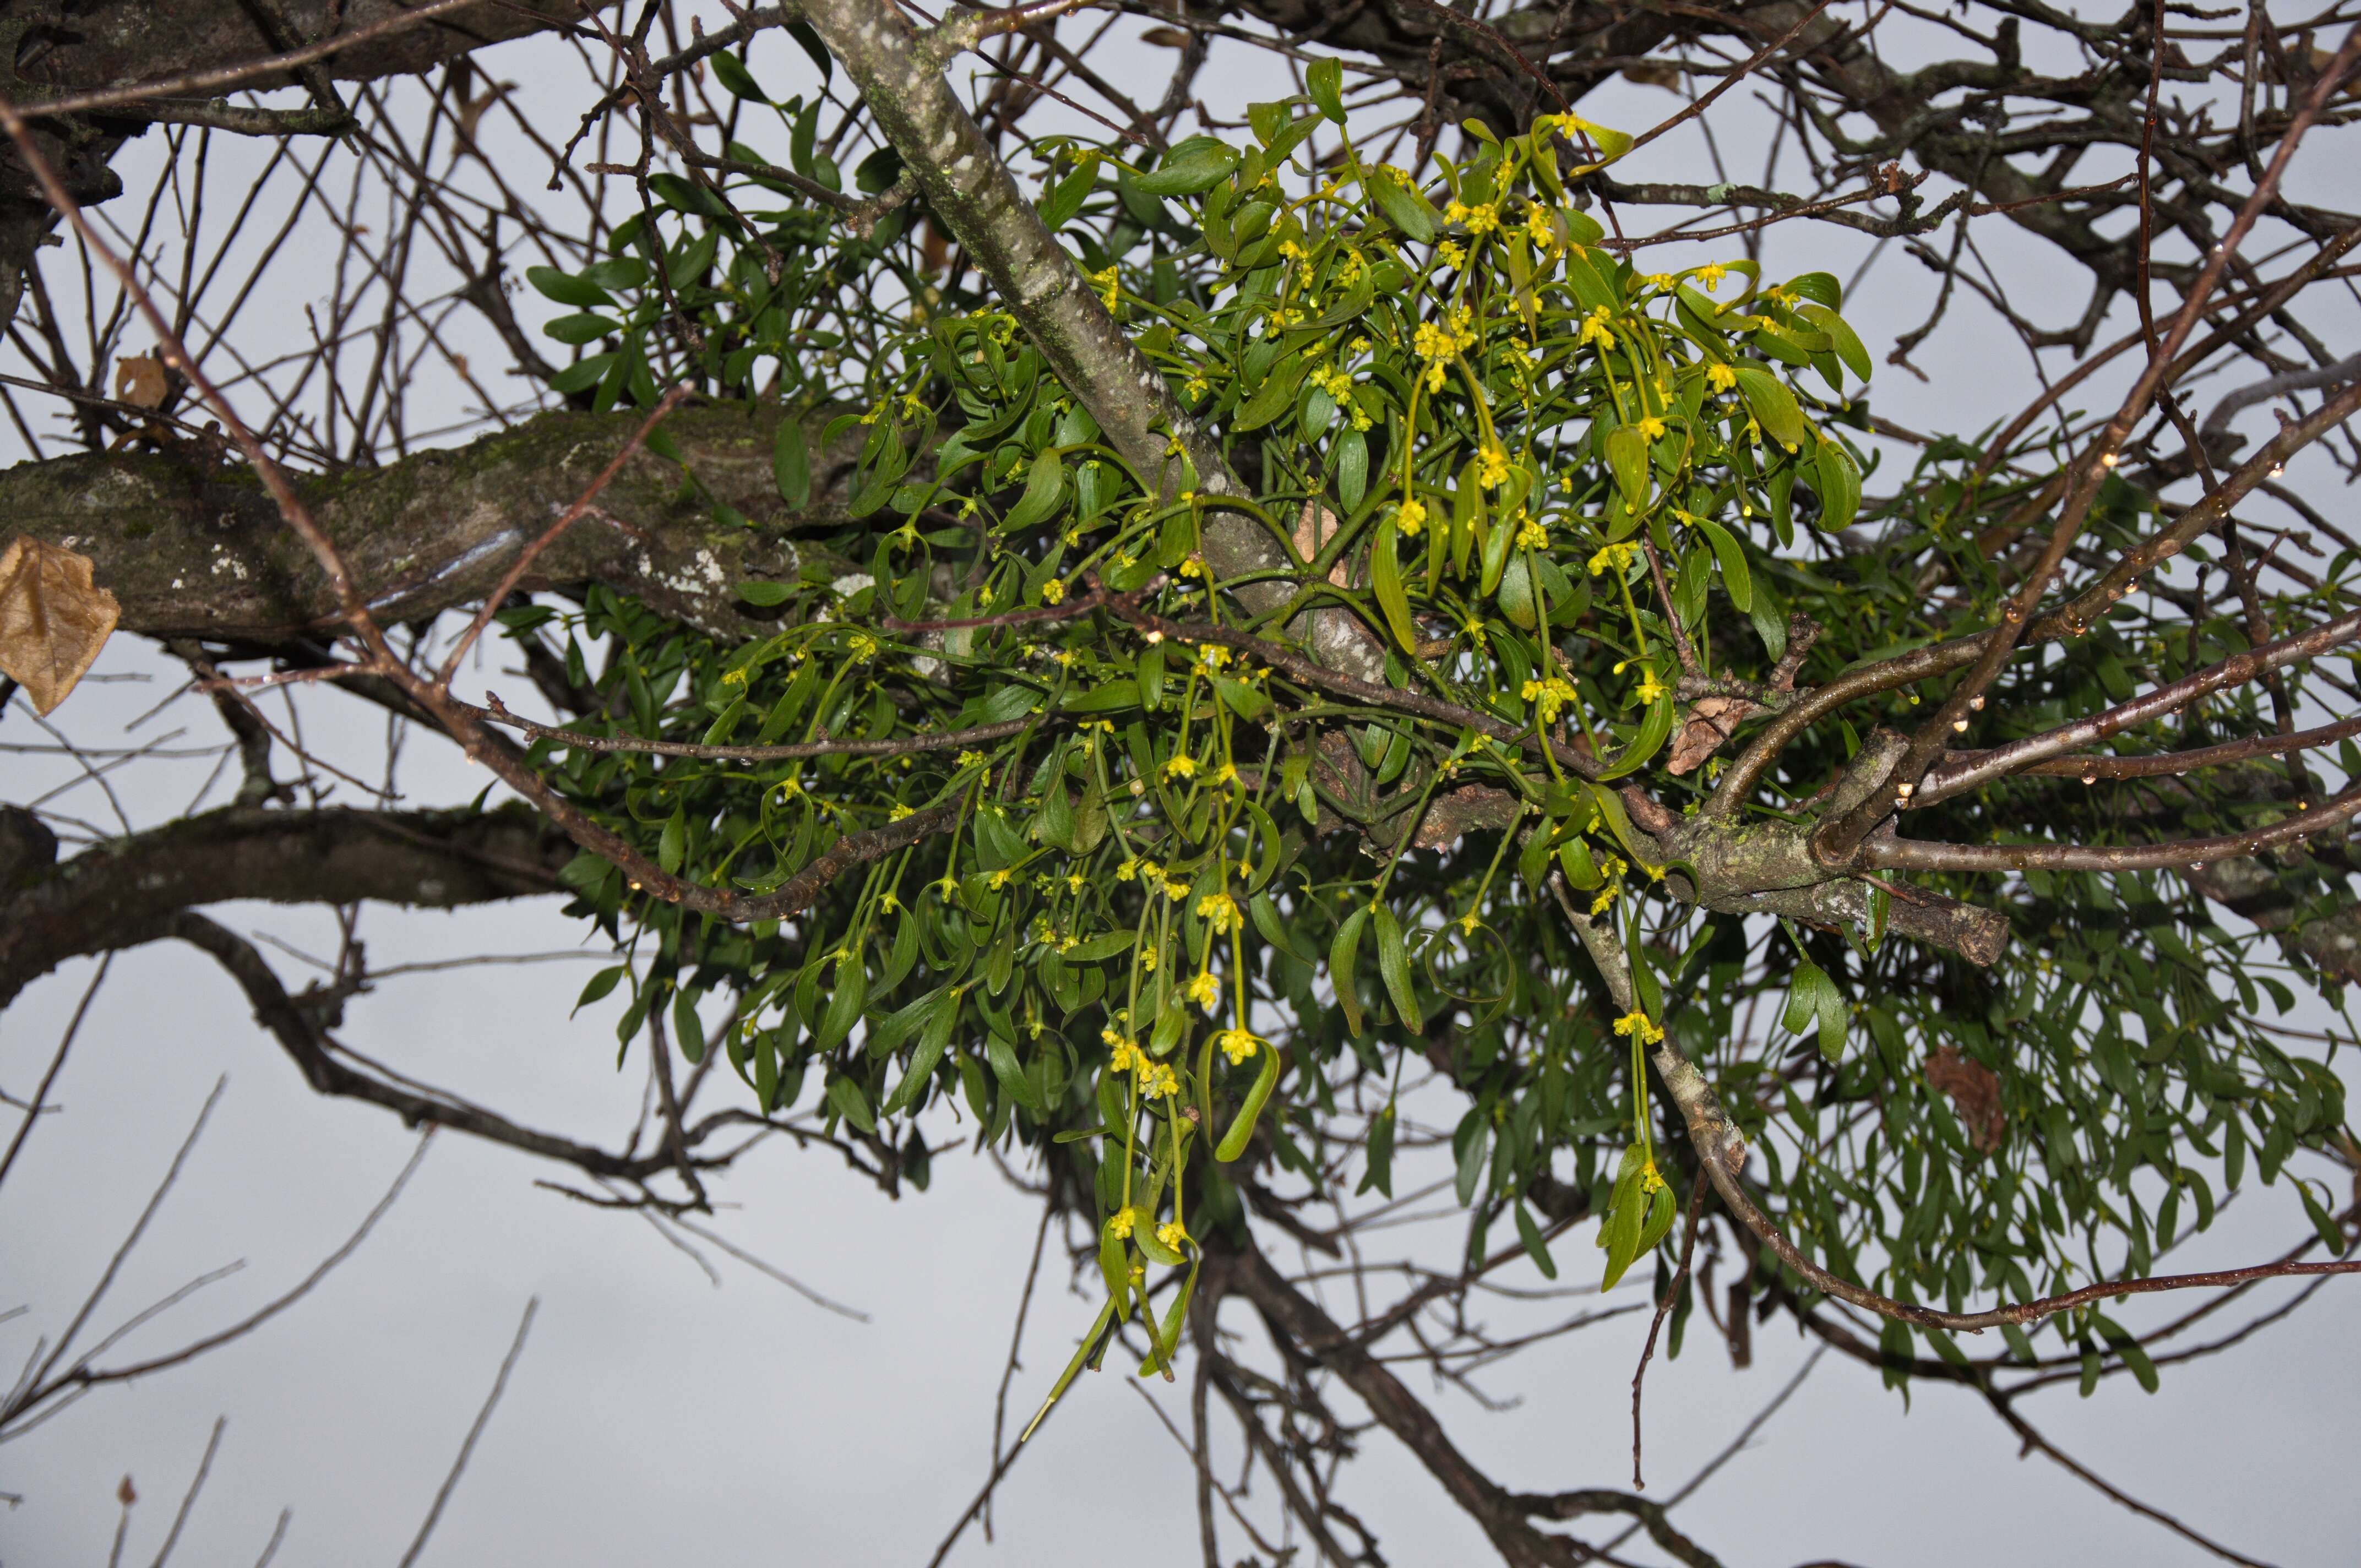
column 1158, row 809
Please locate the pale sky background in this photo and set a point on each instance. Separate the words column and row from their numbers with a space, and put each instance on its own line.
column 655, row 1417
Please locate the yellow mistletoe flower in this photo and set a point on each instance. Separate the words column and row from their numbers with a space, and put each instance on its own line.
column 1711, row 276
column 1594, row 328
column 1450, row 255
column 1480, row 220
column 899, row 812
column 1720, row 377
column 1553, row 694
column 1204, row 991
column 1172, row 1235
column 1220, row 911
column 1662, row 281
column 1180, row 767
column 1128, row 869
column 1175, row 889
column 1125, row 1055
column 1532, row 534
column 1606, row 896
column 1237, row 1044
column 1162, row 1085
column 1540, row 229
column 1652, row 428
column 1492, row 466
column 1120, row 1226
column 1053, row 591
column 1106, row 284
column 1614, row 557
column 1651, row 688
column 1637, row 1026
column 1409, row 517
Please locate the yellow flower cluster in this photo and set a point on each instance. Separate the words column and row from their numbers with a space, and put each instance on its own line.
column 1616, row 558
column 1553, row 694
column 1491, row 465
column 1409, row 517
column 1220, row 911
column 1120, row 1226
column 1237, row 1044
column 1159, row 1082
column 1480, row 219
column 1438, row 343
column 1054, row 591
column 1204, row 991
column 1532, row 534
column 1171, row 1234
column 1594, row 328
column 1639, row 1027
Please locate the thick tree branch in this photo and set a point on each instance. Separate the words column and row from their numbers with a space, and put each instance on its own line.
column 194, row 553
column 438, row 860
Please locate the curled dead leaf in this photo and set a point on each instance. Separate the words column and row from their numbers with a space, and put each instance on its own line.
column 1974, row 1089
column 1165, row 37
column 140, row 380
column 1711, row 722
column 1313, row 529
column 53, row 618
column 1653, row 73
column 127, row 1493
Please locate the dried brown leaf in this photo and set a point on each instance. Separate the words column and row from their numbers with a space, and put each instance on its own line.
column 127, row 1493
column 140, row 380
column 1165, row 37
column 1974, row 1089
column 53, row 618
column 1711, row 722
column 1313, row 528
column 1653, row 73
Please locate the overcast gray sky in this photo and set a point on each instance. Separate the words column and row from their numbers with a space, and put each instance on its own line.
column 656, row 1417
